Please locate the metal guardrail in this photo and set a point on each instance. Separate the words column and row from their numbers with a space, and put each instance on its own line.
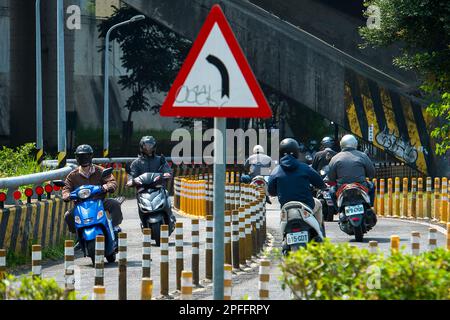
column 13, row 183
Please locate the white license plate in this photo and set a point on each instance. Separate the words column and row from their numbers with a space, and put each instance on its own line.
column 326, row 196
column 353, row 210
column 297, row 237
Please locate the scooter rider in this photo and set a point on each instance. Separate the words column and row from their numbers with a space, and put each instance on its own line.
column 90, row 174
column 351, row 166
column 147, row 162
column 258, row 163
column 323, row 157
column 291, row 180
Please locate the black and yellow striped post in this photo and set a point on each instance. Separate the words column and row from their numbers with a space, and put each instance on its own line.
column 420, row 198
column 428, row 200
column 248, row 235
column 36, row 260
column 164, row 265
column 2, row 263
column 415, row 243
column 405, row 198
column 99, row 260
column 395, row 244
column 242, row 236
column 253, row 216
column 186, row 285
column 444, row 201
column 62, row 159
column 376, row 196
column 146, row 252
column 227, row 242
column 397, row 197
column 179, row 252
column 146, row 289
column 227, row 282
column 105, row 153
column 69, row 267
column 432, row 239
column 209, row 247
column 390, row 211
column 235, row 256
column 413, row 211
column 99, row 292
column 195, row 231
column 264, row 278
column 381, row 193
column 437, row 199
column 122, row 266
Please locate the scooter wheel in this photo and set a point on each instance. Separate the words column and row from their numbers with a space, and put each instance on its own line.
column 90, row 246
column 111, row 258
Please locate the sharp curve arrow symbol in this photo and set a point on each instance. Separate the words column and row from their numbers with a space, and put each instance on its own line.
column 223, row 73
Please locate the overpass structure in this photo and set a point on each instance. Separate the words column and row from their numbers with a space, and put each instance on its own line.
column 315, row 74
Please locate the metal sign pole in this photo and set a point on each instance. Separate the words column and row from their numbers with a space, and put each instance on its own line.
column 61, row 86
column 220, row 125
column 39, row 123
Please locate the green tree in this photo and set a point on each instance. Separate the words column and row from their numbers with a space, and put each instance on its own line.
column 422, row 27
column 152, row 57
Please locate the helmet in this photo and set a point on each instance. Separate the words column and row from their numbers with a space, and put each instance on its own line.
column 289, row 146
column 327, row 142
column 258, row 149
column 84, row 154
column 147, row 146
column 349, row 141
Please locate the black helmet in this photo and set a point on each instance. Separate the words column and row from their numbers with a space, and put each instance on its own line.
column 84, row 154
column 147, row 146
column 327, row 142
column 289, row 146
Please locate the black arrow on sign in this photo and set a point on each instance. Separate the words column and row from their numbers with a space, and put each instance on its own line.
column 223, row 73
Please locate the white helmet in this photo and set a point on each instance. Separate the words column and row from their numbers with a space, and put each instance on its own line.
column 349, row 141
column 258, row 149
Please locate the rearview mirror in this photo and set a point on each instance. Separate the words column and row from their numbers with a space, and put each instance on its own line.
column 59, row 183
column 107, row 172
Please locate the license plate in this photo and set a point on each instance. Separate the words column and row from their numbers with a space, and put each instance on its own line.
column 297, row 237
column 326, row 196
column 353, row 210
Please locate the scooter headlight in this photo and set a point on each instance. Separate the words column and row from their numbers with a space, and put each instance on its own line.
column 100, row 214
column 77, row 220
column 84, row 193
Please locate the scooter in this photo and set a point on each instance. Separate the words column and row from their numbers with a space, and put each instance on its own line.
column 91, row 220
column 328, row 208
column 298, row 226
column 354, row 208
column 262, row 182
column 154, row 204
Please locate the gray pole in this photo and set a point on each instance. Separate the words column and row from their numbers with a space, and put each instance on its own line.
column 106, row 84
column 61, row 85
column 220, row 124
column 39, row 124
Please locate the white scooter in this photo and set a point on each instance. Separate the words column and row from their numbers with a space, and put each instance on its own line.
column 299, row 226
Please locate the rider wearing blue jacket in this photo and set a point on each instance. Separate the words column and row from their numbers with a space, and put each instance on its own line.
column 291, row 180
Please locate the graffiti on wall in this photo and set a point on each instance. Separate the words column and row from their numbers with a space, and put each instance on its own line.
column 399, row 146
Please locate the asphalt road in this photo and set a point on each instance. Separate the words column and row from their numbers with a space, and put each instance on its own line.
column 245, row 284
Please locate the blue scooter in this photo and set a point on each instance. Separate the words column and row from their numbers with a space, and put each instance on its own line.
column 91, row 220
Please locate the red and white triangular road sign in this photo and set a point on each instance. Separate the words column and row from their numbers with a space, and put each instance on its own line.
column 216, row 79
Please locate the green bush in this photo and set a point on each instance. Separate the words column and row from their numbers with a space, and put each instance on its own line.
column 32, row 288
column 19, row 161
column 340, row 271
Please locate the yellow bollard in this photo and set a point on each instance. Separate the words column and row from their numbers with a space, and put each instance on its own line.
column 397, row 197
column 428, row 200
column 444, row 201
column 146, row 289
column 395, row 244
column 405, row 198
column 413, row 214
column 381, row 193
column 448, row 235
column 437, row 199
column 420, row 198
column 375, row 203
column 182, row 208
column 390, row 209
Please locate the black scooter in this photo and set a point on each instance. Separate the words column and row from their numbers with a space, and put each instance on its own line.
column 154, row 205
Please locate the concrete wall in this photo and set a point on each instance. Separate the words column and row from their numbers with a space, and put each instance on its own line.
column 4, row 68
